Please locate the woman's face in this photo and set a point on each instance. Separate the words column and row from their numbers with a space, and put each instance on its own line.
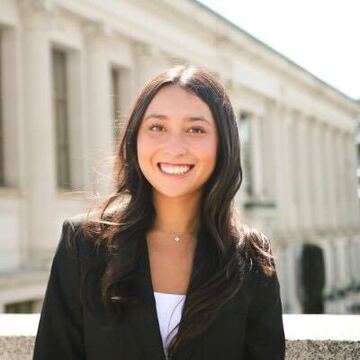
column 177, row 131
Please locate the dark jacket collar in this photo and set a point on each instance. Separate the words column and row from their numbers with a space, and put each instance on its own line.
column 144, row 321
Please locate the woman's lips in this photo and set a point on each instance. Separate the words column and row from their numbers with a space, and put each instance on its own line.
column 172, row 164
column 174, row 175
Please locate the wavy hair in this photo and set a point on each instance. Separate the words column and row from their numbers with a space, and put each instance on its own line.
column 230, row 246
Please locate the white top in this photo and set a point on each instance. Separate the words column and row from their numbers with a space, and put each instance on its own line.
column 169, row 309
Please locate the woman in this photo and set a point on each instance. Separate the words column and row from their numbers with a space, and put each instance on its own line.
column 168, row 272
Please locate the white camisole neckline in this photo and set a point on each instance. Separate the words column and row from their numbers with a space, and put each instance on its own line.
column 169, row 310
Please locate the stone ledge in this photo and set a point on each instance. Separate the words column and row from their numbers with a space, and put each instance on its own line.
column 322, row 327
column 322, row 350
column 308, row 337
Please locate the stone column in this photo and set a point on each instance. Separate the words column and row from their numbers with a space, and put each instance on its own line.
column 331, row 273
column 330, row 179
column 302, row 165
column 317, row 183
column 281, row 196
column 353, row 255
column 354, row 250
column 256, row 160
column 337, row 176
column 343, row 213
column 39, row 143
column 309, row 183
column 342, row 267
column 329, row 265
column 293, row 252
column 269, row 168
column 321, row 180
column 294, row 152
column 352, row 200
column 99, row 112
column 244, row 136
column 290, row 156
column 268, row 152
column 281, row 268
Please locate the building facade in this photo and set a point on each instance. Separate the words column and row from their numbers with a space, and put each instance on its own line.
column 358, row 154
column 69, row 72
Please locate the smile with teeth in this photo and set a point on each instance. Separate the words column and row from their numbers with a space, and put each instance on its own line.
column 175, row 169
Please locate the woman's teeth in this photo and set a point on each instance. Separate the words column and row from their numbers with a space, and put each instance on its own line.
column 175, row 170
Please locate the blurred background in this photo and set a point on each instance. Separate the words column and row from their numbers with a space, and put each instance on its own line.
column 70, row 71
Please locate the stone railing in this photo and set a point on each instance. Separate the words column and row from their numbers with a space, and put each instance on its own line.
column 318, row 337
column 308, row 337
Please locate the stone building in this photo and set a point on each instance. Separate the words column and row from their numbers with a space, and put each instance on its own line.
column 69, row 70
column 358, row 154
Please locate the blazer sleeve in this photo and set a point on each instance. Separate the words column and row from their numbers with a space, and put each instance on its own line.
column 59, row 334
column 264, row 335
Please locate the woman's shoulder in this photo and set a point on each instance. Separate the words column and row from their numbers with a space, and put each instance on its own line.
column 77, row 238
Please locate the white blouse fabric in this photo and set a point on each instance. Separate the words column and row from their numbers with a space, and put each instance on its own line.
column 169, row 309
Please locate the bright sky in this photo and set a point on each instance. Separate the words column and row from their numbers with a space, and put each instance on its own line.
column 322, row 36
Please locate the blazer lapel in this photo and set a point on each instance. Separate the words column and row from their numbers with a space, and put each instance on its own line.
column 144, row 320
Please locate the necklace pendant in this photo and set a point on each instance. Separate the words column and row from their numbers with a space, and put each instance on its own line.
column 177, row 238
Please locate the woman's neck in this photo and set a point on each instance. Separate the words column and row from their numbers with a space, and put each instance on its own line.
column 175, row 217
column 179, row 215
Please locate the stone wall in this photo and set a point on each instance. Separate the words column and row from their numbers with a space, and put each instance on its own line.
column 308, row 337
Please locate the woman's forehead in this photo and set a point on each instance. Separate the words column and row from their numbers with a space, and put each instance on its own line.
column 174, row 99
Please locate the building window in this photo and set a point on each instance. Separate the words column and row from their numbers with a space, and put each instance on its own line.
column 23, row 307
column 246, row 148
column 2, row 170
column 61, row 117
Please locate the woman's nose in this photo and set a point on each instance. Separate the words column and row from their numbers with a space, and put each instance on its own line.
column 176, row 144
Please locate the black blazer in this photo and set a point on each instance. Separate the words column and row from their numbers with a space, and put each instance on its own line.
column 248, row 327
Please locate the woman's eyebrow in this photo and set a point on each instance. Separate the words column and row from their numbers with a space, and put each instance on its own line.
column 189, row 118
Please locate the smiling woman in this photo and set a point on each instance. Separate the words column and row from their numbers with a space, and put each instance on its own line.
column 172, row 273
column 178, row 136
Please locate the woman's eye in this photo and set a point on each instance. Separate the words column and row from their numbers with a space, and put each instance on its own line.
column 155, row 126
column 198, row 129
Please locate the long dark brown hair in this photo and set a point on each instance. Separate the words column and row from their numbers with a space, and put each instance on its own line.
column 228, row 247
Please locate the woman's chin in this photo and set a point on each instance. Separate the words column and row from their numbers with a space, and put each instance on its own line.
column 173, row 193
